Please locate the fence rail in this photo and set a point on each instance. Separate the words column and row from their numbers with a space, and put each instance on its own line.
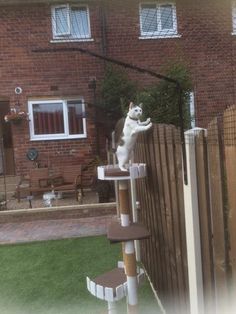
column 161, row 197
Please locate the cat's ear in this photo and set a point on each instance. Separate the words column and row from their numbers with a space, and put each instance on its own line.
column 141, row 106
column 131, row 105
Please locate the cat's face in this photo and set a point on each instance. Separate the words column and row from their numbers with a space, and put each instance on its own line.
column 135, row 112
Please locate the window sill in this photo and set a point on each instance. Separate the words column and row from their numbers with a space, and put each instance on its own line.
column 58, row 40
column 160, row 36
column 55, row 138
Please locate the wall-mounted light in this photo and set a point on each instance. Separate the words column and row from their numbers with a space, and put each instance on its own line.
column 18, row 90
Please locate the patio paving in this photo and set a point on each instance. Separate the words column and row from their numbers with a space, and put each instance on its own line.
column 53, row 229
column 41, row 230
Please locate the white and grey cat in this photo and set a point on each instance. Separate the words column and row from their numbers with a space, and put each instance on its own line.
column 132, row 127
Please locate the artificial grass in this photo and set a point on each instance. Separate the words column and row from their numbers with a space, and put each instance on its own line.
column 50, row 277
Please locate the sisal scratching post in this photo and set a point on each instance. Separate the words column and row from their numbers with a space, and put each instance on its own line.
column 128, row 250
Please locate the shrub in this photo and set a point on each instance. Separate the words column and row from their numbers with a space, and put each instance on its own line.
column 160, row 102
column 117, row 91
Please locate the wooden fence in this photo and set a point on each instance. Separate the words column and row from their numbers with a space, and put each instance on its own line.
column 161, row 197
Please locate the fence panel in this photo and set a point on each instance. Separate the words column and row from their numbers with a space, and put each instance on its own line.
column 216, row 179
column 162, row 212
column 167, row 211
column 205, row 219
column 174, row 185
column 160, row 206
column 229, row 127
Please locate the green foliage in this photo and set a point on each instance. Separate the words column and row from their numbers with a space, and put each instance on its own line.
column 160, row 102
column 117, row 91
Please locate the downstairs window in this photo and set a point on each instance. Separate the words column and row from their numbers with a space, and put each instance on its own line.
column 57, row 119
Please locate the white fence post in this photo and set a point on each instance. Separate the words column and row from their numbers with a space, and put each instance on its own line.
column 192, row 227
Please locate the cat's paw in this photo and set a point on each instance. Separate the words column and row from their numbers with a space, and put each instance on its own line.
column 123, row 168
column 149, row 125
column 148, row 120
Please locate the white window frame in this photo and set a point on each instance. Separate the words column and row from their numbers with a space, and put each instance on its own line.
column 233, row 17
column 67, row 35
column 58, row 136
column 159, row 33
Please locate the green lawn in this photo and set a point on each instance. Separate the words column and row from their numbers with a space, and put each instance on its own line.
column 50, row 277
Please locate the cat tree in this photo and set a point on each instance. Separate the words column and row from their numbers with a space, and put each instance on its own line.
column 123, row 280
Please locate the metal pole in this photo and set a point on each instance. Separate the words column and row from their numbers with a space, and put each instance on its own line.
column 111, row 307
column 4, row 170
column 134, row 211
column 116, row 182
column 181, row 120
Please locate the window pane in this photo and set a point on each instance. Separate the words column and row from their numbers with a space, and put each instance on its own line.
column 234, row 18
column 167, row 17
column 61, row 21
column 75, row 117
column 149, row 18
column 48, row 118
column 79, row 22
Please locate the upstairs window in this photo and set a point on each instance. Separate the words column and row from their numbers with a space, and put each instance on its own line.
column 158, row 19
column 70, row 22
column 57, row 119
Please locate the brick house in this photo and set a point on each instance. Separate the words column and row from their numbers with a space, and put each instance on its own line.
column 56, row 87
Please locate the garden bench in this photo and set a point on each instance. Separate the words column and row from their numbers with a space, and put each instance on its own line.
column 69, row 180
column 36, row 182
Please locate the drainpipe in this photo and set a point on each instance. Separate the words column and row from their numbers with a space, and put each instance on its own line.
column 92, row 86
column 103, row 29
column 4, row 169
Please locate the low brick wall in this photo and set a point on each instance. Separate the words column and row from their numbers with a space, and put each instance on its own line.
column 65, row 212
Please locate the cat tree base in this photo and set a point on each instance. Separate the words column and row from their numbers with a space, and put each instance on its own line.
column 112, row 285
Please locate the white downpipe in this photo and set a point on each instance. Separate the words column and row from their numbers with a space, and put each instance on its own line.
column 192, row 228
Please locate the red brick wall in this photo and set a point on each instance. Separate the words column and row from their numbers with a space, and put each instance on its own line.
column 206, row 46
column 23, row 28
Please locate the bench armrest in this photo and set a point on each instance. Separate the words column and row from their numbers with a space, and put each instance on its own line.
column 78, row 180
